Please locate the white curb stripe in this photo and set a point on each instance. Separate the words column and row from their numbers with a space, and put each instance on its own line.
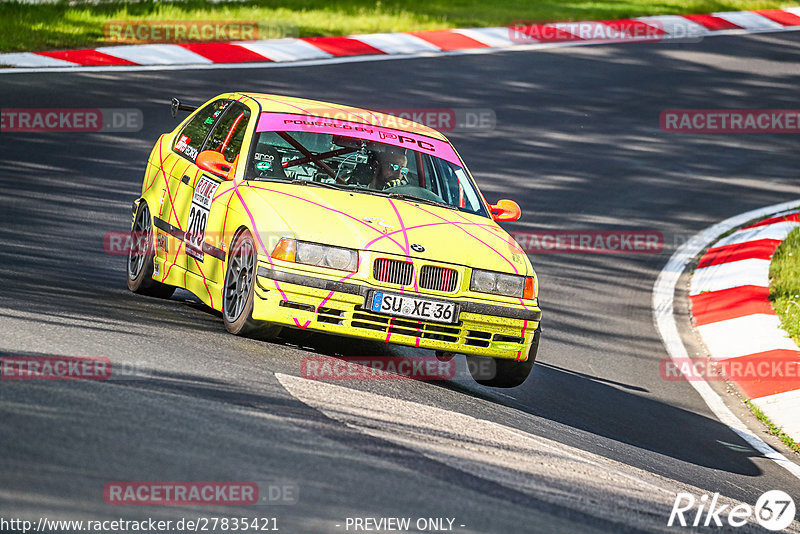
column 675, row 26
column 744, row 336
column 29, row 59
column 494, row 37
column 749, row 21
column 664, row 318
column 751, row 272
column 777, row 231
column 285, row 49
column 782, row 409
column 397, row 43
column 156, row 54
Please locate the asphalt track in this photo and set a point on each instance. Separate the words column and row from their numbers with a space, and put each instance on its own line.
column 577, row 144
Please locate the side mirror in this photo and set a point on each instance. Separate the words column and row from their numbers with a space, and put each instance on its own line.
column 505, row 210
column 215, row 163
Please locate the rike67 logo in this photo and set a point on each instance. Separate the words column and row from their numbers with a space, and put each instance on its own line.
column 774, row 510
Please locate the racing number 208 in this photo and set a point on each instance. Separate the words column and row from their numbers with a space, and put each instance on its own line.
column 198, row 217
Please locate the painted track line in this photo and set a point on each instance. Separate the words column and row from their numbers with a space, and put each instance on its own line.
column 664, row 318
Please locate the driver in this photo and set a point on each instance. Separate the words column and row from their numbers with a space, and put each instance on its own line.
column 389, row 169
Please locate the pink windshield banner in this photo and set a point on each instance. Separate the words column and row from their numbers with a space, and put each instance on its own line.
column 286, row 122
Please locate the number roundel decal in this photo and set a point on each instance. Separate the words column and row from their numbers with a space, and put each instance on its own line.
column 198, row 216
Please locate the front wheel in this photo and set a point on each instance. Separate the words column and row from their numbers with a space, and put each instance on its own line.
column 506, row 373
column 239, row 291
column 140, row 257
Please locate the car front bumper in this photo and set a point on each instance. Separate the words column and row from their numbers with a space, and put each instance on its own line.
column 339, row 307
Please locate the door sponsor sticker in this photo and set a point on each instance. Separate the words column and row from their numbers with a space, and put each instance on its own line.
column 183, row 147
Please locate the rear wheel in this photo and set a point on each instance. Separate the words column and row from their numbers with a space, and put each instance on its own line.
column 140, row 258
column 239, row 291
column 506, row 373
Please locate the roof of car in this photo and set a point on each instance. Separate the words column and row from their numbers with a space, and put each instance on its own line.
column 316, row 108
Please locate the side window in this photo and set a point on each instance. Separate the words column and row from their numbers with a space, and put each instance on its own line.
column 228, row 134
column 194, row 133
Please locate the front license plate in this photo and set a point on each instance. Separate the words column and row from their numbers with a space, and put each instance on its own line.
column 413, row 307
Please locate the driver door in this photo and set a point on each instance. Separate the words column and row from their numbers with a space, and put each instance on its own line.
column 205, row 212
column 182, row 174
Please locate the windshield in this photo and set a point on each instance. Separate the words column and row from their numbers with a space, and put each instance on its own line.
column 366, row 165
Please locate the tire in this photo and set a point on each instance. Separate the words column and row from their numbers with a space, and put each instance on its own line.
column 508, row 373
column 140, row 258
column 239, row 291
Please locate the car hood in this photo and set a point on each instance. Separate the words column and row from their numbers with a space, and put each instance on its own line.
column 380, row 224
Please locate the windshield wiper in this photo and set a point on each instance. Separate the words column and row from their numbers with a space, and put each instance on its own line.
column 412, row 198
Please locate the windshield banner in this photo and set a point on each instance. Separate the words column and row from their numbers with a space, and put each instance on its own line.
column 286, row 122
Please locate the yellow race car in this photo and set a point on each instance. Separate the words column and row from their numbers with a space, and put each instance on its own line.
column 284, row 212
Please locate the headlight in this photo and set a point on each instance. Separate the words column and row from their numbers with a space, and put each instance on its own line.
column 483, row 282
column 310, row 253
column 343, row 259
column 508, row 285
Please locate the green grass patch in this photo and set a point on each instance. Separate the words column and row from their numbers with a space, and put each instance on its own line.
column 25, row 27
column 773, row 429
column 784, row 275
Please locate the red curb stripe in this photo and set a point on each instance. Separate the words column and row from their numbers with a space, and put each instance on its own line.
column 712, row 22
column 224, row 52
column 725, row 304
column 793, row 217
column 447, row 40
column 761, row 249
column 769, row 385
column 780, row 16
column 88, row 57
column 342, row 46
column 637, row 26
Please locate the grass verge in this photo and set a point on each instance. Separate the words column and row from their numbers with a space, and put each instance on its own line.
column 28, row 27
column 774, row 430
column 784, row 275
